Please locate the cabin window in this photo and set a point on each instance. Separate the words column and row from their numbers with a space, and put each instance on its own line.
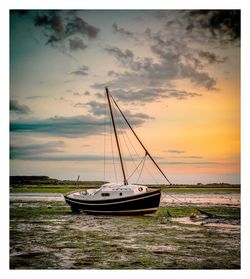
column 120, row 194
column 105, row 194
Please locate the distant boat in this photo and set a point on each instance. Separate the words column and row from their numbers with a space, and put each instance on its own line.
column 117, row 198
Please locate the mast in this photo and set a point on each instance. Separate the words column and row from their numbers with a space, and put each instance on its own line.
column 147, row 153
column 116, row 137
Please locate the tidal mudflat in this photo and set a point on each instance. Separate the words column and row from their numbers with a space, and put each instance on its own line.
column 44, row 234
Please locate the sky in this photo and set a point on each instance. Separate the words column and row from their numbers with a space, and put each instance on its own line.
column 174, row 73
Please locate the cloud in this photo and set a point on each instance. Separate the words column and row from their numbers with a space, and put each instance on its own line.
column 130, row 116
column 175, row 151
column 191, row 163
column 34, row 150
column 74, row 126
column 19, row 12
column 179, row 151
column 161, row 14
column 54, row 27
column 86, row 93
column 69, row 81
column 98, row 109
column 212, row 57
column 18, row 108
column 182, row 52
column 147, row 94
column 61, row 126
column 60, row 28
column 180, row 94
column 52, row 151
column 98, row 94
column 78, row 25
column 176, row 63
column 76, row 44
column 124, row 57
column 124, row 33
column 127, row 59
column 180, row 62
column 69, row 157
column 133, row 96
column 222, row 25
column 80, row 105
column 201, row 79
column 66, row 157
column 188, row 157
column 217, row 27
column 35, row 97
column 81, row 71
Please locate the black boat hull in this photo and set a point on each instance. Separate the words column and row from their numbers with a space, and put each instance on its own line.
column 144, row 203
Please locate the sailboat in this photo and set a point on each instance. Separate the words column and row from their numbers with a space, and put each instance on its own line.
column 118, row 198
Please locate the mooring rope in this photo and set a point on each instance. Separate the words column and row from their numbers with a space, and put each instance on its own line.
column 194, row 207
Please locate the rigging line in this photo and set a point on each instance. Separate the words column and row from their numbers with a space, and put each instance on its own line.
column 110, row 130
column 194, row 207
column 145, row 157
column 152, row 159
column 119, row 128
column 137, row 167
column 121, row 125
column 138, row 155
column 105, row 134
column 123, row 136
column 116, row 137
column 131, row 144
column 119, row 131
column 139, row 174
column 152, row 176
column 133, row 159
column 126, row 135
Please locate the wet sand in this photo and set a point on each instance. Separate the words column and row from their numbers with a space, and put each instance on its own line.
column 36, row 197
column 232, row 199
column 44, row 234
column 173, row 198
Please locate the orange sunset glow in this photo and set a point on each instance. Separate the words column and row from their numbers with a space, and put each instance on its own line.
column 174, row 73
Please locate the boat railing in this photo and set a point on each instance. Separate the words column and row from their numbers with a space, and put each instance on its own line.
column 72, row 192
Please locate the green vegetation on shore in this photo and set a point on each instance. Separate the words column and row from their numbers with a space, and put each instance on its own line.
column 51, row 208
column 62, row 189
column 46, row 181
column 47, row 235
column 39, row 184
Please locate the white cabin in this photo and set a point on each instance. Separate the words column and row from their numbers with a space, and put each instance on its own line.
column 111, row 191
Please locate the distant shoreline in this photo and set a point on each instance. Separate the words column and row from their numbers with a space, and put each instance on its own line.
column 47, row 182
